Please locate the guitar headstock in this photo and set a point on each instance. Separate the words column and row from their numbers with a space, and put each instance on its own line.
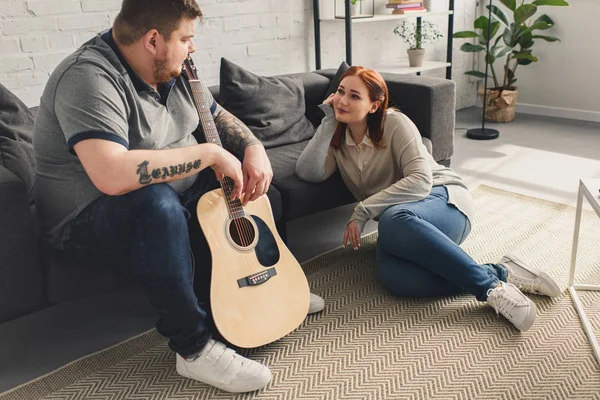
column 189, row 69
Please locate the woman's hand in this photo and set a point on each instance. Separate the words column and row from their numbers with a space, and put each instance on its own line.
column 352, row 235
column 329, row 100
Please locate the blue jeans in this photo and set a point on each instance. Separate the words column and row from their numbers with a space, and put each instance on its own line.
column 418, row 253
column 149, row 229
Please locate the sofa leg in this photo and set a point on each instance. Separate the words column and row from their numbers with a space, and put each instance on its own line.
column 281, row 229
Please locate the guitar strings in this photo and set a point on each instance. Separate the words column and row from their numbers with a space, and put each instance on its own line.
column 242, row 229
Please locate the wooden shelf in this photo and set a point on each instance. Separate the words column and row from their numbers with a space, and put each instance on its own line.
column 388, row 17
column 401, row 66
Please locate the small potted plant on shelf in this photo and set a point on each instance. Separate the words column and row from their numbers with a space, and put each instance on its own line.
column 415, row 36
column 514, row 43
column 355, row 7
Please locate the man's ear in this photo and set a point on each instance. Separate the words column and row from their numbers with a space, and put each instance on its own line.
column 151, row 41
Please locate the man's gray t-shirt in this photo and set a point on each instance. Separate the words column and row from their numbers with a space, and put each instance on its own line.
column 93, row 93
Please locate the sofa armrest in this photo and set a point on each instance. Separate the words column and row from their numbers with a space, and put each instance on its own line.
column 20, row 271
column 430, row 103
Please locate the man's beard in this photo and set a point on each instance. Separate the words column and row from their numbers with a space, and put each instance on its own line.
column 161, row 72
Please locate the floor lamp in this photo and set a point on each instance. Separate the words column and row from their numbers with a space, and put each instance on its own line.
column 484, row 133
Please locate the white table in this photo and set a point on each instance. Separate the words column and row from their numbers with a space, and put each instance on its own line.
column 588, row 188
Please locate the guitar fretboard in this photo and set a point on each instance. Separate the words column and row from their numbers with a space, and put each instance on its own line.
column 212, row 136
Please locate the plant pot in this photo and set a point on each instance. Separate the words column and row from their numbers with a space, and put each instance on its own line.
column 500, row 105
column 415, row 57
column 354, row 9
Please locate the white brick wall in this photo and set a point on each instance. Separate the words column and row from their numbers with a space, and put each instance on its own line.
column 268, row 37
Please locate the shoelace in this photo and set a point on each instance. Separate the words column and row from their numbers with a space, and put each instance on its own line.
column 500, row 303
column 526, row 285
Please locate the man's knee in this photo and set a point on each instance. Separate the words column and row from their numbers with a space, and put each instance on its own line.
column 159, row 201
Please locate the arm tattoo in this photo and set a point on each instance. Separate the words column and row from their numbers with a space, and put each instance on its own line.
column 235, row 135
column 146, row 177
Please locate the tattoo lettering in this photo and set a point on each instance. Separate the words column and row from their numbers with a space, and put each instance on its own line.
column 165, row 172
column 142, row 171
column 235, row 135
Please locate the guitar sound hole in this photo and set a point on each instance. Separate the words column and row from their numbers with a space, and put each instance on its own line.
column 242, row 232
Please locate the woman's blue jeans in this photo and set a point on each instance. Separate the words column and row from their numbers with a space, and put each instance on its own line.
column 418, row 253
column 148, row 228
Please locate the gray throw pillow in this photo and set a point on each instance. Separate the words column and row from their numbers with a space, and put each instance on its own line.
column 272, row 107
column 16, row 129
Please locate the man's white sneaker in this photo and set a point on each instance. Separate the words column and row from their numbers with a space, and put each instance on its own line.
column 221, row 367
column 316, row 304
column 514, row 305
column 529, row 279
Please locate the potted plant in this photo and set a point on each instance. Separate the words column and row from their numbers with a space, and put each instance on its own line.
column 415, row 35
column 514, row 43
column 354, row 7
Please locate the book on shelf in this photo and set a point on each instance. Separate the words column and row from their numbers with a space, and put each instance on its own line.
column 418, row 10
column 420, row 2
column 404, row 6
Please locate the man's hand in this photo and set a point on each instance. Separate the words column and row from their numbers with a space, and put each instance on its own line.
column 226, row 164
column 352, row 235
column 257, row 173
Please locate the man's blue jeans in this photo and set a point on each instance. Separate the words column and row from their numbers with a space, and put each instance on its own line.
column 418, row 253
column 149, row 229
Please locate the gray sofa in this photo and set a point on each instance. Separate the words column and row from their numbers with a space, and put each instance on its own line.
column 32, row 276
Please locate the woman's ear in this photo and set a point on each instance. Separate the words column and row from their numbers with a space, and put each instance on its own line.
column 375, row 107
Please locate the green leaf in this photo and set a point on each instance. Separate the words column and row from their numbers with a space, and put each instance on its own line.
column 537, row 25
column 551, row 3
column 546, row 38
column 490, row 59
column 524, row 12
column 499, row 14
column 510, row 4
column 481, row 22
column 475, row 73
column 504, row 51
column 495, row 26
column 546, row 19
column 471, row 48
column 525, row 56
column 524, row 61
column 526, row 40
column 465, row 34
column 507, row 37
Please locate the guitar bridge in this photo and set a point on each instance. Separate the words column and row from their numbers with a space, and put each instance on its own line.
column 258, row 278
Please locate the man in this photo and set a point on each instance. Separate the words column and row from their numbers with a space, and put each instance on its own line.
column 119, row 172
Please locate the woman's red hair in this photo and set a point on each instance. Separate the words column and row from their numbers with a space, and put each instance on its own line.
column 378, row 91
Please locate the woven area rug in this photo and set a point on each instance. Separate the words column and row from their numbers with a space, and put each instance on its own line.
column 370, row 345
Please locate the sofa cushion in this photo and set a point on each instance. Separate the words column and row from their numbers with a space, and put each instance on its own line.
column 16, row 149
column 272, row 107
column 301, row 198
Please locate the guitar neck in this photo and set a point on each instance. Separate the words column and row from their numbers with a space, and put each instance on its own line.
column 212, row 136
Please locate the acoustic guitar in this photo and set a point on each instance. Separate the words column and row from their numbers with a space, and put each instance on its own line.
column 259, row 292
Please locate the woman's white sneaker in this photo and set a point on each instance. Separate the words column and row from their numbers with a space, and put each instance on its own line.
column 529, row 279
column 219, row 366
column 514, row 305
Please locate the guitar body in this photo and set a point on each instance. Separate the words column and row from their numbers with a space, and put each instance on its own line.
column 259, row 292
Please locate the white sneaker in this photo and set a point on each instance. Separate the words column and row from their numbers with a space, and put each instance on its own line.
column 529, row 279
column 514, row 305
column 316, row 304
column 221, row 367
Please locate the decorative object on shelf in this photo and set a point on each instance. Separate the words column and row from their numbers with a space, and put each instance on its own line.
column 427, row 4
column 416, row 35
column 358, row 8
column 514, row 42
column 406, row 6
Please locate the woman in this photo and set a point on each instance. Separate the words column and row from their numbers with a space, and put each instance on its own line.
column 424, row 209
